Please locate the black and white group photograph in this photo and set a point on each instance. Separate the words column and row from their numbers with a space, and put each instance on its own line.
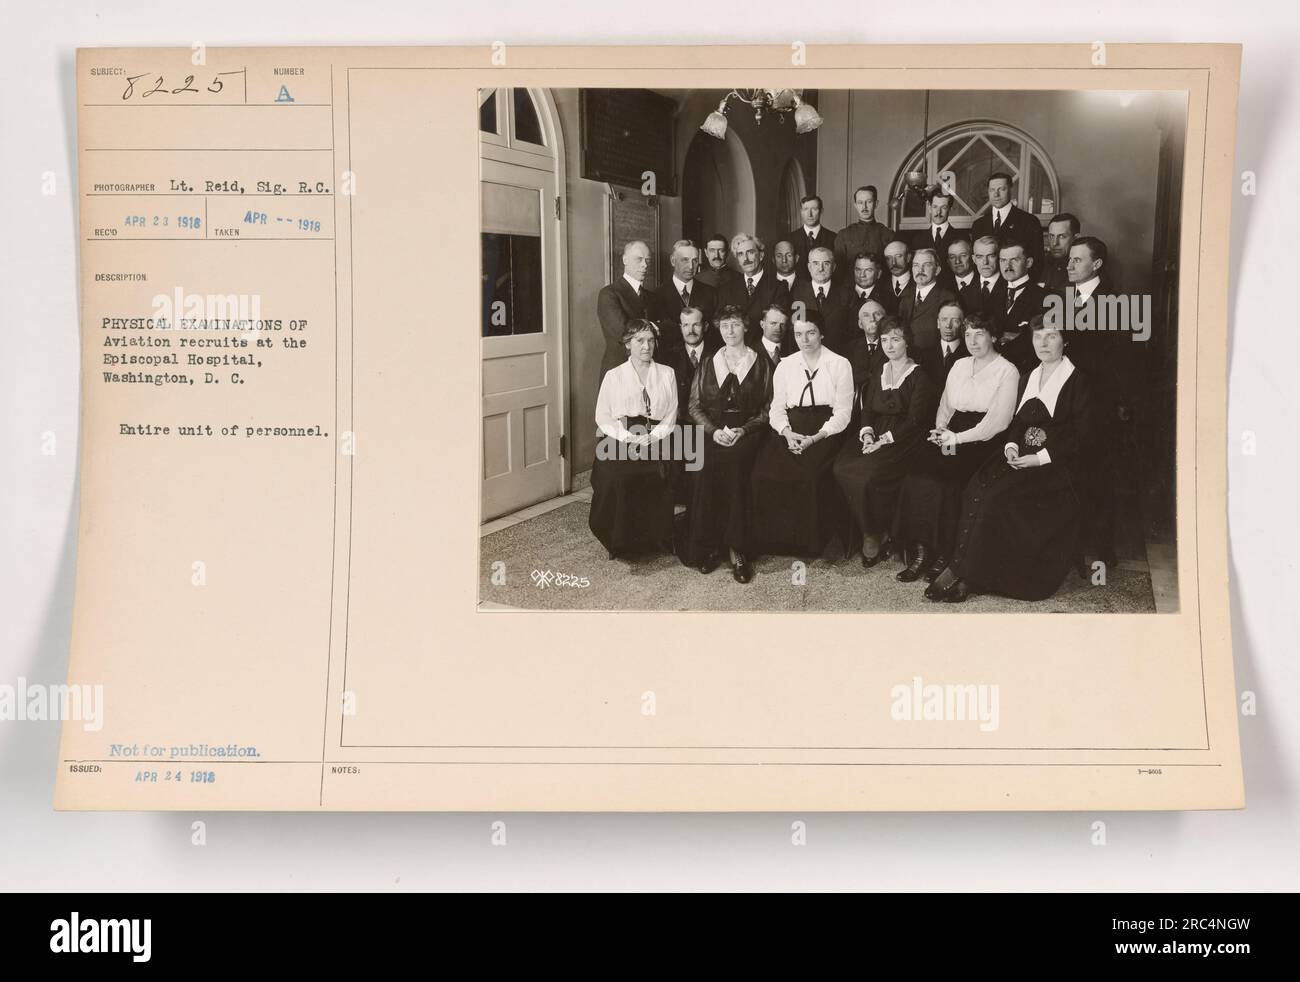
column 830, row 350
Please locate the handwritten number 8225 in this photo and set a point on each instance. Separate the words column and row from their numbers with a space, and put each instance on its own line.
column 186, row 86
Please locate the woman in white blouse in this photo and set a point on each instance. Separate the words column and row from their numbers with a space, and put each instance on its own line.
column 793, row 490
column 978, row 401
column 891, row 415
column 636, row 410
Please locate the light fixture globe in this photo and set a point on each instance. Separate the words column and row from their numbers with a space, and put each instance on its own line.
column 715, row 124
column 806, row 118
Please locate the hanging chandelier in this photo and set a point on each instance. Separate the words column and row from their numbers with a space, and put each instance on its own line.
column 765, row 101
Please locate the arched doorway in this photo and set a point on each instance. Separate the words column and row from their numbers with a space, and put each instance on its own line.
column 523, row 290
column 717, row 188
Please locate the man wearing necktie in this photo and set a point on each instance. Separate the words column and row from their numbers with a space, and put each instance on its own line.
column 1022, row 301
column 681, row 290
column 753, row 288
column 811, row 235
column 898, row 261
column 865, row 354
column 951, row 348
column 1009, row 223
column 939, row 234
column 834, row 301
column 922, row 302
column 626, row 299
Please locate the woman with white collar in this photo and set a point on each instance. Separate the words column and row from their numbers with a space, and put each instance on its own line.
column 730, row 397
column 792, row 488
column 636, row 410
column 892, row 414
column 1020, row 512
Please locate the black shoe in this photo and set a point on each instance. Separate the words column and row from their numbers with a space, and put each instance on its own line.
column 934, row 591
column 938, row 566
column 869, row 561
column 957, row 593
column 710, row 563
column 742, row 571
column 912, row 572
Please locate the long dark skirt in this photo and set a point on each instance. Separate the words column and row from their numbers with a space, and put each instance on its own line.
column 721, row 511
column 870, row 482
column 929, row 502
column 793, row 495
column 631, row 503
column 1018, row 529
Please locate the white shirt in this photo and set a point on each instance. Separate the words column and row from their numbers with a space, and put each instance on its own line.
column 756, row 277
column 964, row 281
column 812, row 231
column 832, row 386
column 697, row 350
column 991, row 282
column 1047, row 394
column 939, row 230
column 1084, row 291
column 787, row 280
column 947, row 347
column 991, row 390
column 682, row 285
column 923, row 291
column 620, row 397
column 1000, row 214
column 721, row 371
column 636, row 284
column 773, row 349
column 900, row 282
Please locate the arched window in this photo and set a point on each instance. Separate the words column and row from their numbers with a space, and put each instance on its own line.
column 971, row 152
column 509, row 118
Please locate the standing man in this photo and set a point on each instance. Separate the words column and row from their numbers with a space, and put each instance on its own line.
column 869, row 284
column 940, row 234
column 922, row 302
column 775, row 342
column 627, row 298
column 960, row 276
column 834, row 300
column 1022, row 301
column 683, row 289
column 784, row 259
column 898, row 260
column 714, row 271
column 1061, row 233
column 1009, row 223
column 811, row 235
column 864, row 235
column 752, row 289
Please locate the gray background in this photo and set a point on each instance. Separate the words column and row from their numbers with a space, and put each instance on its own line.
column 1248, row 850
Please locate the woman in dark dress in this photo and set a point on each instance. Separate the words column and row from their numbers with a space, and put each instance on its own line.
column 1020, row 511
column 730, row 397
column 979, row 399
column 792, row 487
column 891, row 416
column 636, row 411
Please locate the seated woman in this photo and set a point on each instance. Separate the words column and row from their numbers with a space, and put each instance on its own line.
column 730, row 397
column 636, row 409
column 978, row 401
column 891, row 418
column 792, row 489
column 1020, row 512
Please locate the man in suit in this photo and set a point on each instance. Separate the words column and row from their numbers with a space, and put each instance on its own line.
column 952, row 345
column 868, row 283
column 1061, row 232
column 992, row 290
column 627, row 298
column 684, row 289
column 922, row 301
column 692, row 348
column 865, row 354
column 864, row 235
column 898, row 263
column 959, row 277
column 834, row 301
column 940, row 234
column 1022, row 300
column 714, row 271
column 1097, row 353
column 783, row 261
column 1009, row 223
column 774, row 341
column 753, row 288
column 811, row 235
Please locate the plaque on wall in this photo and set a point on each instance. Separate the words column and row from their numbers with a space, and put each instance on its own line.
column 625, row 133
column 633, row 215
